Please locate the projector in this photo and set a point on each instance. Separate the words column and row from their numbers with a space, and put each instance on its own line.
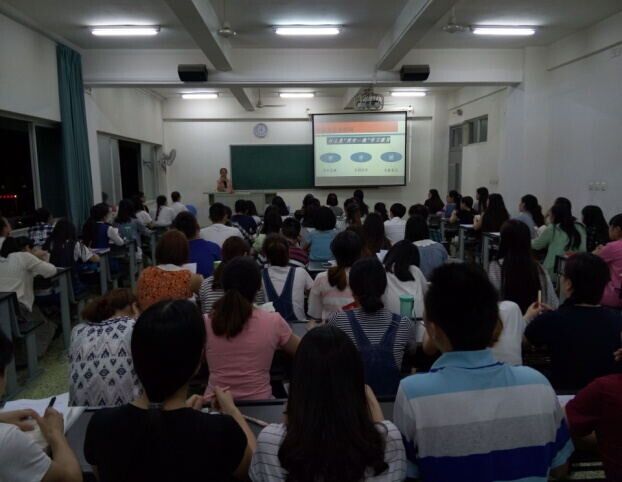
column 368, row 101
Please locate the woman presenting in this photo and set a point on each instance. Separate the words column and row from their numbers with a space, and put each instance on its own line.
column 224, row 184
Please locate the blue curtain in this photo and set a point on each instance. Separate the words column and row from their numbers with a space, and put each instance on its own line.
column 76, row 157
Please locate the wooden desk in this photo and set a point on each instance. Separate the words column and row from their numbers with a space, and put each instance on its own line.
column 62, row 280
column 104, row 268
column 8, row 302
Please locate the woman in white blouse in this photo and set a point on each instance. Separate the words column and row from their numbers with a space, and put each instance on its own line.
column 162, row 215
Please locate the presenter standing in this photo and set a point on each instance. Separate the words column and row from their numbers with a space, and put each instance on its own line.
column 224, row 184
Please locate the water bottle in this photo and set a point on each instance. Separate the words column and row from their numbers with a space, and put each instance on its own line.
column 216, row 264
column 407, row 305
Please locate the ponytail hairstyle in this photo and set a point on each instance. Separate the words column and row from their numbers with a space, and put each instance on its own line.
column 61, row 243
column 562, row 217
column 346, row 247
column 233, row 247
column 160, row 202
column 98, row 214
column 104, row 307
column 241, row 281
column 530, row 204
column 368, row 282
column 400, row 258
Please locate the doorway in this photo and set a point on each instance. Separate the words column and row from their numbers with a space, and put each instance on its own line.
column 454, row 172
column 130, row 159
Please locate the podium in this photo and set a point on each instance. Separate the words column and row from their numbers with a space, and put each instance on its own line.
column 262, row 199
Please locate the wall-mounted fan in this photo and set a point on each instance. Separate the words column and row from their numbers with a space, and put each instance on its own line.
column 167, row 160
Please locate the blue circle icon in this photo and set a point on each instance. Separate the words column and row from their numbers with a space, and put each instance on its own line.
column 330, row 157
column 361, row 157
column 391, row 157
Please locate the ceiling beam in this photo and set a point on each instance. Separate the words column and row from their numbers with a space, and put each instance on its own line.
column 415, row 20
column 350, row 95
column 243, row 98
column 201, row 21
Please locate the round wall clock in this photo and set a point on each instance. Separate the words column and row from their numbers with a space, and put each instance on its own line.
column 260, row 130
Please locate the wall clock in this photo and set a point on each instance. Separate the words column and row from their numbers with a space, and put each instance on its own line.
column 260, row 130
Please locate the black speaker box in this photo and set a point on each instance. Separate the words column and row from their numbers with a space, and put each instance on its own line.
column 414, row 73
column 192, row 72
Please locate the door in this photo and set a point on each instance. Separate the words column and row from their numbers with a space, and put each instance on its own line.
column 454, row 171
column 130, row 159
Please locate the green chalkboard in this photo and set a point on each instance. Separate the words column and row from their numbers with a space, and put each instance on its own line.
column 272, row 167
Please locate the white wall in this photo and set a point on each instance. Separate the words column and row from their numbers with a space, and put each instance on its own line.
column 202, row 133
column 28, row 75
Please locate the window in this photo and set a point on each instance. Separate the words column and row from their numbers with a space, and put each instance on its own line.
column 477, row 130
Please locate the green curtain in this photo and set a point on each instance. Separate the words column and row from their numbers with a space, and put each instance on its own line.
column 76, row 157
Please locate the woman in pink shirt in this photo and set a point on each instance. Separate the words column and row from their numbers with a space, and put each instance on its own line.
column 242, row 339
column 612, row 254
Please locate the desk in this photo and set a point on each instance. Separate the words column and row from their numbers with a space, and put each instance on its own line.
column 127, row 251
column 62, row 279
column 487, row 239
column 463, row 229
column 104, row 268
column 8, row 302
column 318, row 266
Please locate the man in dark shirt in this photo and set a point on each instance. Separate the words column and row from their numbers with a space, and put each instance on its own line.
column 245, row 223
column 581, row 334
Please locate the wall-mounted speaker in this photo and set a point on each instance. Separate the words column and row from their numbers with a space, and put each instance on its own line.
column 192, row 72
column 414, row 73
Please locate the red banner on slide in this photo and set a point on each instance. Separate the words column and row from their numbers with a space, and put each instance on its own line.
column 355, row 127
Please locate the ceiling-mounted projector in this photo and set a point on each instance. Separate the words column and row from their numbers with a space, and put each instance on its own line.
column 368, row 100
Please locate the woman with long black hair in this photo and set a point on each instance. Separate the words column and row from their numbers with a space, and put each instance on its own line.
column 491, row 220
column 434, row 203
column 374, row 237
column 596, row 227
column 515, row 273
column 530, row 213
column 161, row 435
column 335, row 429
column 404, row 278
column 562, row 236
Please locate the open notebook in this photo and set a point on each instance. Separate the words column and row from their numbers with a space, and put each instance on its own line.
column 70, row 414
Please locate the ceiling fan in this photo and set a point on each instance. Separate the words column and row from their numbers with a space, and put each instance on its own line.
column 261, row 105
column 225, row 30
column 453, row 26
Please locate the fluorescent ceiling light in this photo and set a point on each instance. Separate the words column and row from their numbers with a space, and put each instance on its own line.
column 504, row 31
column 200, row 96
column 126, row 30
column 296, row 95
column 411, row 93
column 308, row 30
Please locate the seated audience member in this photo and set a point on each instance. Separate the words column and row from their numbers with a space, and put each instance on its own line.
column 418, row 210
column 464, row 214
column 211, row 288
column 162, row 215
column 453, row 203
column 374, row 239
column 142, row 211
column 279, row 202
column 130, row 228
column 101, row 372
column 481, row 196
column 177, row 206
column 308, row 220
column 382, row 337
column 97, row 232
column 68, row 252
column 431, row 254
column 169, row 280
column 508, row 345
column 611, row 253
column 291, row 230
column 245, row 223
column 161, row 435
column 581, row 334
column 510, row 415
column 515, row 273
column 353, row 213
column 404, row 278
column 5, row 229
column 218, row 232
column 434, row 203
column 395, row 226
column 44, row 223
column 359, row 197
column 381, row 209
column 252, row 212
column 318, row 241
column 21, row 458
column 18, row 267
column 530, row 214
column 202, row 252
column 596, row 410
column 491, row 220
column 333, row 203
column 283, row 285
column 328, row 391
column 330, row 292
column 562, row 236
column 596, row 227
column 272, row 222
column 242, row 339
